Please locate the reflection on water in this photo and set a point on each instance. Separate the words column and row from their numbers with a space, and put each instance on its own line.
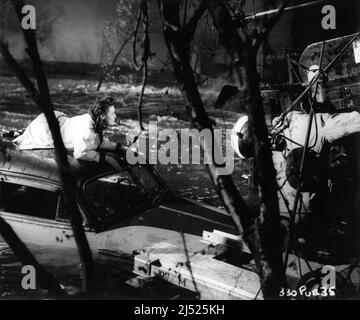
column 165, row 106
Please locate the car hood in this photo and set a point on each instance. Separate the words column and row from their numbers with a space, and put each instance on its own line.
column 182, row 215
column 174, row 226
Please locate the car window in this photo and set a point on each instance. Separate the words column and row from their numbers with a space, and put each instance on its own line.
column 112, row 195
column 147, row 180
column 62, row 212
column 29, row 201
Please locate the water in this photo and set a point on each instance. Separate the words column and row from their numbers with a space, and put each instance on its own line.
column 164, row 105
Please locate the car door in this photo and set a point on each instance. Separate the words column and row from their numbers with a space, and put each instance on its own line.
column 31, row 207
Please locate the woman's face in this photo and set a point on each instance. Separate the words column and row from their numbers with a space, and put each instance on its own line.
column 110, row 116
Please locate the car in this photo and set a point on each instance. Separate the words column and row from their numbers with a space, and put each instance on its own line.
column 128, row 212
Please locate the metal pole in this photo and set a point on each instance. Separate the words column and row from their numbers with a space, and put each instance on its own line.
column 273, row 11
column 306, row 144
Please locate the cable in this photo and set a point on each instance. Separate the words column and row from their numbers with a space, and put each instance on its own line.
column 257, row 294
column 316, row 126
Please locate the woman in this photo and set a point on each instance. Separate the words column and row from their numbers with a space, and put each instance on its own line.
column 83, row 134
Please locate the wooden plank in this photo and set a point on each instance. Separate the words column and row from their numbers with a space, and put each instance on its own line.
column 211, row 278
column 226, row 239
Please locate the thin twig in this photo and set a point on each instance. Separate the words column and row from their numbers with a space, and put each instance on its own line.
column 104, row 74
column 144, row 18
column 139, row 113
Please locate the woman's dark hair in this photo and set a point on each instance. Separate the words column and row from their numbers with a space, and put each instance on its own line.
column 97, row 110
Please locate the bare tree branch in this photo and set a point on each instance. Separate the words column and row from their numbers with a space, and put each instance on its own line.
column 243, row 54
column 46, row 280
column 190, row 27
column 270, row 24
column 42, row 98
column 141, row 98
column 144, row 18
column 185, row 5
column 179, row 48
column 22, row 77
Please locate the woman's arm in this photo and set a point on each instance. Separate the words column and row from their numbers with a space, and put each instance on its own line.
column 86, row 143
column 86, row 153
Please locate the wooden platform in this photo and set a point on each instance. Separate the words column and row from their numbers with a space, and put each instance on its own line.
column 200, row 272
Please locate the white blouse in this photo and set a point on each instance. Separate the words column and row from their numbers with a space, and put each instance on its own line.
column 77, row 132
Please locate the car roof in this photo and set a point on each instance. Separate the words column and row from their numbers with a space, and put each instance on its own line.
column 41, row 163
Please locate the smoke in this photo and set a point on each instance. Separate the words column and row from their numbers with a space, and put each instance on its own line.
column 67, row 30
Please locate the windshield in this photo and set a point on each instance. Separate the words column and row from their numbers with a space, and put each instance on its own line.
column 110, row 196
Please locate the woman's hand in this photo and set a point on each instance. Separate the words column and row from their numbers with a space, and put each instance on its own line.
column 108, row 145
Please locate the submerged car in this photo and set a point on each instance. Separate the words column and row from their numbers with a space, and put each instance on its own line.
column 129, row 211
